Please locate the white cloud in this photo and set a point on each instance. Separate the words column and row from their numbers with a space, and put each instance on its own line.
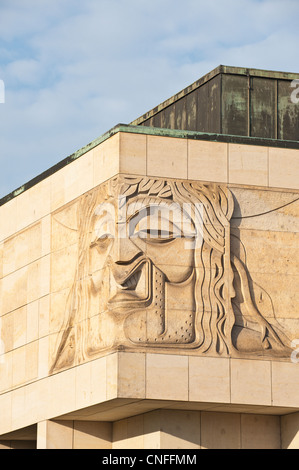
column 73, row 69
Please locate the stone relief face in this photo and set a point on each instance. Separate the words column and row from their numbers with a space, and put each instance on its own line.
column 137, row 246
column 155, row 271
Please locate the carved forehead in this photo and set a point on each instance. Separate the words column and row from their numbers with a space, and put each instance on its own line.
column 122, row 208
column 130, row 187
column 176, row 190
column 216, row 199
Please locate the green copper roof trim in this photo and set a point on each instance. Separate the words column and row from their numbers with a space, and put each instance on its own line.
column 155, row 131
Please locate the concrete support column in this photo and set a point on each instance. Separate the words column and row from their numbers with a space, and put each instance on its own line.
column 17, row 444
column 74, row 435
column 160, row 429
column 182, row 429
column 290, row 431
column 54, row 435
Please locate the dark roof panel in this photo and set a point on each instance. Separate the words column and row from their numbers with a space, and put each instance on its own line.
column 235, row 101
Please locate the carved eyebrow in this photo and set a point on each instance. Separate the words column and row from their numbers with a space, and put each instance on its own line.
column 146, row 203
column 102, row 221
column 177, row 222
column 105, row 209
column 155, row 215
column 143, row 201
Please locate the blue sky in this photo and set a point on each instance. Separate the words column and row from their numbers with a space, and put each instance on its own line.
column 74, row 69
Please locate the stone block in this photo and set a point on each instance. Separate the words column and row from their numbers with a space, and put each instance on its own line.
column 163, row 370
column 220, row 430
column 8, row 212
column 209, row 379
column 92, row 435
column 290, row 431
column 207, row 161
column 132, row 156
column 166, row 156
column 248, row 164
column 285, row 383
column 106, row 159
column 55, row 434
column 251, row 381
column 131, row 375
column 283, row 168
column 260, row 431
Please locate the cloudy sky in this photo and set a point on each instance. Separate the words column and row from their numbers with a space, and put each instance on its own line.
column 74, row 69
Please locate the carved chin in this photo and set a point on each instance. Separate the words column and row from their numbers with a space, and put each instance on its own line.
column 123, row 302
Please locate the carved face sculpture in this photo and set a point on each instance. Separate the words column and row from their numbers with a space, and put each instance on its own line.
column 144, row 248
column 155, row 271
column 156, row 251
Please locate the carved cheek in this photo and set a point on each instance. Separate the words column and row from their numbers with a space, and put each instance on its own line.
column 97, row 267
column 96, row 260
column 177, row 274
column 97, row 280
column 175, row 259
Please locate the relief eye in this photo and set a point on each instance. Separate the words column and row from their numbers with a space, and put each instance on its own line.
column 105, row 237
column 158, row 236
column 155, row 231
column 103, row 232
column 102, row 241
column 159, row 224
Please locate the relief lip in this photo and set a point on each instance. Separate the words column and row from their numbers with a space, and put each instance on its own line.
column 131, row 283
column 126, row 294
column 122, row 272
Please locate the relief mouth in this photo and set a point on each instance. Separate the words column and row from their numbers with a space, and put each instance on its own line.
column 132, row 282
column 123, row 272
column 133, row 289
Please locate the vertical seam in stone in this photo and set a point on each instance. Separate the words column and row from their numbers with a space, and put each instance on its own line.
column 73, row 434
column 227, row 163
column 271, row 382
column 188, row 379
column 118, row 385
column 280, row 431
column 241, row 444
column 107, row 377
column 230, row 381
column 200, row 429
column 145, row 376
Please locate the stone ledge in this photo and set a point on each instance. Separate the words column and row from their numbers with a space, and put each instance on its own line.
column 123, row 384
column 151, row 131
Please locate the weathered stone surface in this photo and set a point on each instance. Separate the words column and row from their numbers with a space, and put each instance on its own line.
column 183, row 294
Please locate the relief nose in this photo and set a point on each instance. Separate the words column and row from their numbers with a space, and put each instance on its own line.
column 123, row 258
column 124, row 250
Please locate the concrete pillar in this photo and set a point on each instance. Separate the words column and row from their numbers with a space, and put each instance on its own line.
column 182, row 429
column 54, row 435
column 160, row 429
column 92, row 435
column 74, row 435
column 290, row 431
column 17, row 444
